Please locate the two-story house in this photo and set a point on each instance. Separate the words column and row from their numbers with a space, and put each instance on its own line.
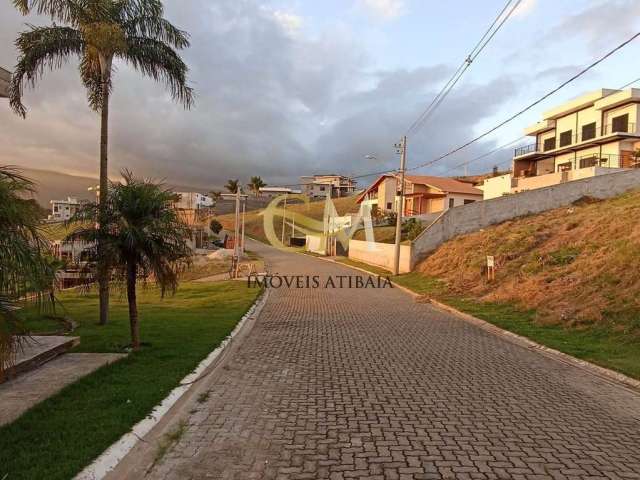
column 192, row 201
column 321, row 186
column 62, row 210
column 423, row 194
column 594, row 134
column 5, row 78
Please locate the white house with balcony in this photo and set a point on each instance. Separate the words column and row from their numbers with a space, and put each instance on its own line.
column 333, row 185
column 62, row 210
column 594, row 134
column 192, row 201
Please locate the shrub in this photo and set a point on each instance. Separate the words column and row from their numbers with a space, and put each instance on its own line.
column 215, row 226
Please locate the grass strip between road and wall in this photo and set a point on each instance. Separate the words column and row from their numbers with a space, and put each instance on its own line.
column 58, row 437
column 596, row 344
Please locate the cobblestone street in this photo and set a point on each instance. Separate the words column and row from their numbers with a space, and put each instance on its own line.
column 366, row 383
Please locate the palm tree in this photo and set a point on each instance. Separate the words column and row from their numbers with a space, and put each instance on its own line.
column 215, row 196
column 99, row 31
column 233, row 186
column 255, row 184
column 23, row 264
column 145, row 238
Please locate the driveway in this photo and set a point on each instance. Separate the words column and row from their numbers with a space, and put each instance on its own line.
column 365, row 383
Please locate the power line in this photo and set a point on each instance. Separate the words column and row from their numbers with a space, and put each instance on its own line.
column 485, row 155
column 497, row 149
column 488, row 132
column 500, row 20
column 529, row 107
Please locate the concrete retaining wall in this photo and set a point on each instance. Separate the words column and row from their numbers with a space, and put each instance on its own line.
column 381, row 254
column 316, row 244
column 473, row 217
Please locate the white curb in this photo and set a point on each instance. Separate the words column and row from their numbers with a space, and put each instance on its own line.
column 110, row 458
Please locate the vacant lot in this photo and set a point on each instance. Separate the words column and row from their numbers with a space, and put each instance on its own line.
column 254, row 221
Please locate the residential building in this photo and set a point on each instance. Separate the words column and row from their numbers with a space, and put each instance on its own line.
column 423, row 194
column 321, row 186
column 62, row 210
column 5, row 78
column 232, row 196
column 193, row 201
column 594, row 134
column 272, row 192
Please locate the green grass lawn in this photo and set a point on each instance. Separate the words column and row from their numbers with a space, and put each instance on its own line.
column 60, row 436
column 597, row 344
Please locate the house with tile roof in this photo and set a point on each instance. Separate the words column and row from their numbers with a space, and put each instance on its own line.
column 423, row 194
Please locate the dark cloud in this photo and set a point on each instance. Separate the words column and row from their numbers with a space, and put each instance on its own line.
column 601, row 25
column 271, row 101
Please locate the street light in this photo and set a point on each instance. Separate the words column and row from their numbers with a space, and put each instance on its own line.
column 95, row 189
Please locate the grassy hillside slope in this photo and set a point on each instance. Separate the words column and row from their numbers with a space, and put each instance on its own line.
column 577, row 266
column 254, row 221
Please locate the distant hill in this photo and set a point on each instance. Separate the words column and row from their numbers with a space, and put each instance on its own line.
column 57, row 186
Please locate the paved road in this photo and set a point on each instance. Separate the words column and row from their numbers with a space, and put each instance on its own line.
column 346, row 383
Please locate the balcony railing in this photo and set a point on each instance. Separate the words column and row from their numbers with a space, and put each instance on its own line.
column 588, row 161
column 526, row 149
column 611, row 129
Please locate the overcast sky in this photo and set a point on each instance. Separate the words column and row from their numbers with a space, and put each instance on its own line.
column 294, row 87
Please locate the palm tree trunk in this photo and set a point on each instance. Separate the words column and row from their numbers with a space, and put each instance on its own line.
column 132, row 274
column 103, row 269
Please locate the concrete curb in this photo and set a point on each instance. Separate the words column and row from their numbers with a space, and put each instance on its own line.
column 110, row 458
column 525, row 342
column 550, row 352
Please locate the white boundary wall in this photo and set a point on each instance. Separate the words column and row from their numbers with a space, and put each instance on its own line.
column 381, row 254
column 473, row 217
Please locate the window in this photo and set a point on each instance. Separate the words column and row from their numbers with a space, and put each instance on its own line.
column 566, row 138
column 467, row 202
column 620, row 124
column 549, row 144
column 451, row 203
column 322, row 188
column 389, row 206
column 589, row 131
column 564, row 167
column 591, row 161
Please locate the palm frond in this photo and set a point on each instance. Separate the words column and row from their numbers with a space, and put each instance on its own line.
column 160, row 62
column 40, row 48
column 67, row 11
column 91, row 76
column 24, row 268
column 144, row 18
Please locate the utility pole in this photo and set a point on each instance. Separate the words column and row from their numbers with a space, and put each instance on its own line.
column 402, row 150
column 236, row 239
column 284, row 217
column 244, row 210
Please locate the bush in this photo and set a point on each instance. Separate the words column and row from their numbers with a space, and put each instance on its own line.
column 411, row 229
column 215, row 226
column 563, row 256
column 391, row 218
